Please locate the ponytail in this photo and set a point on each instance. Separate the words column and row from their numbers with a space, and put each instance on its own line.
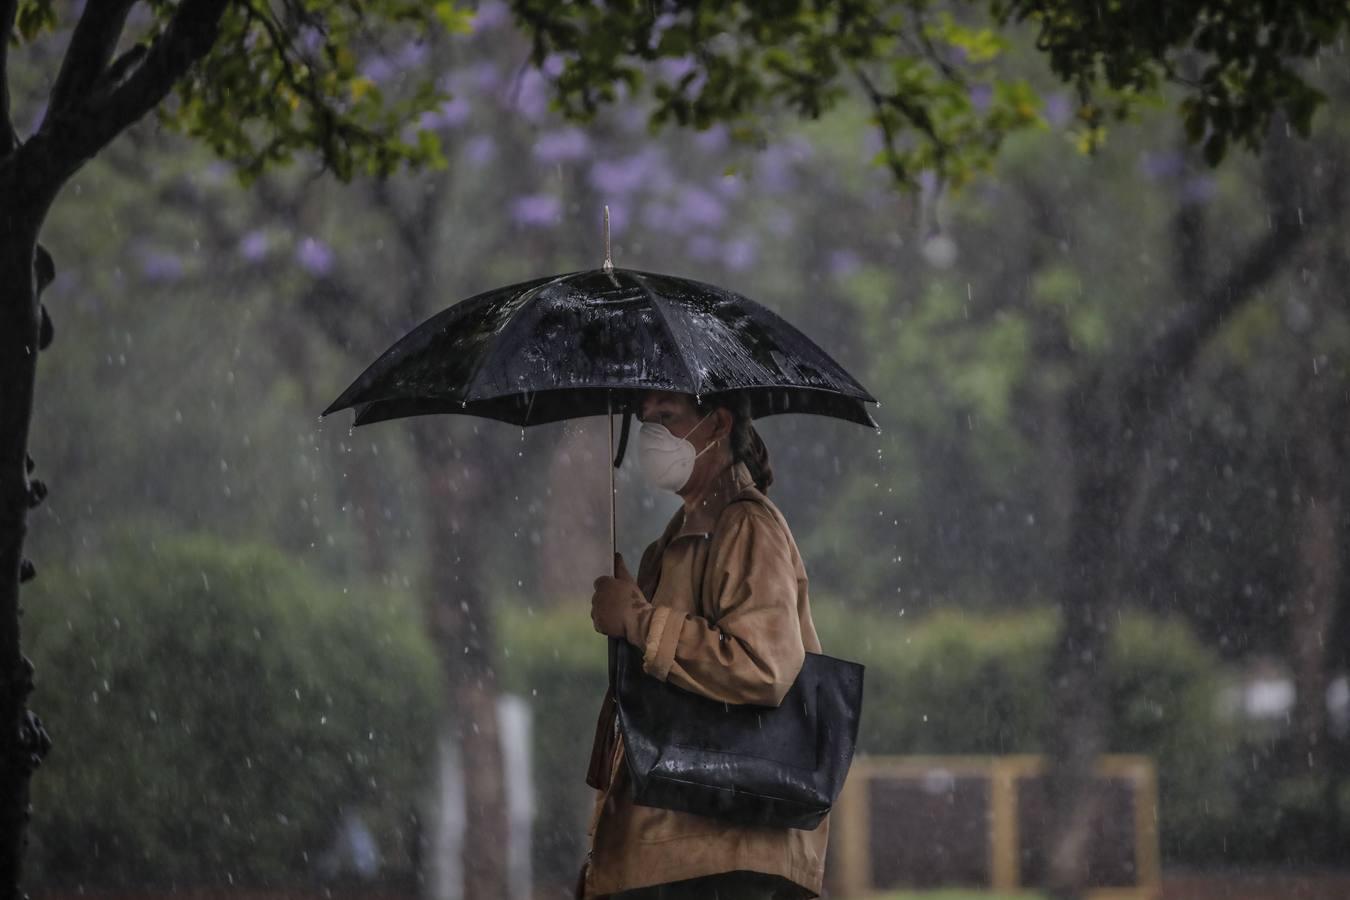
column 746, row 445
column 755, row 456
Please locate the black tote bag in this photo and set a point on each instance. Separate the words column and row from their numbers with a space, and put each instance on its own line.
column 778, row 766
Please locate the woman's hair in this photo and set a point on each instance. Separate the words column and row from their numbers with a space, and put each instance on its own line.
column 746, row 444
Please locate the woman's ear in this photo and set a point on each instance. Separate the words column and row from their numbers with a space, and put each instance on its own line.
column 722, row 422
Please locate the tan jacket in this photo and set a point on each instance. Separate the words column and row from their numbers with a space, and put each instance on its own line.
column 729, row 620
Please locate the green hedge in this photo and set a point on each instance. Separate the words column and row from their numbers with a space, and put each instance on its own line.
column 215, row 711
column 948, row 684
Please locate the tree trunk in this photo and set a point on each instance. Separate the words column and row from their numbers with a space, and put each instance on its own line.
column 574, row 540
column 1105, row 457
column 458, row 612
column 22, row 742
column 1317, row 575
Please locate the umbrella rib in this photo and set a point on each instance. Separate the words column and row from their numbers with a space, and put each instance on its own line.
column 524, row 301
column 655, row 302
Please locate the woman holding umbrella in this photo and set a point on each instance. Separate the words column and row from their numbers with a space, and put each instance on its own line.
column 717, row 617
column 719, row 607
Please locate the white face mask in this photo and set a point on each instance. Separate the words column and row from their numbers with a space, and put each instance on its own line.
column 667, row 461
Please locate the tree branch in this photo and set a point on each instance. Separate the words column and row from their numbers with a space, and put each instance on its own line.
column 72, row 137
column 1155, row 371
column 888, row 134
column 91, row 47
column 8, row 138
column 1188, row 234
column 915, row 114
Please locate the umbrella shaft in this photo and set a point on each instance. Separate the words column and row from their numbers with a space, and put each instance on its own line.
column 613, row 530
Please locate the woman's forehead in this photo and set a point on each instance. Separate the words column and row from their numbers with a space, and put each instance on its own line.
column 666, row 401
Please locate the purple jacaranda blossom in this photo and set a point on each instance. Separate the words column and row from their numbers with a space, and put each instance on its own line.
column 490, row 14
column 1058, row 109
column 479, row 150
column 378, row 69
column 254, row 246
column 656, row 216
column 660, row 177
column 215, row 173
column 731, row 185
column 428, row 121
column 673, row 71
column 703, row 247
column 659, row 26
column 873, row 143
column 553, row 65
column 712, row 140
column 626, row 175
column 981, row 97
column 310, row 40
column 314, row 256
column 697, row 208
column 529, row 94
column 159, row 265
column 773, row 170
column 413, row 55
column 632, row 118
column 563, row 145
column 1161, row 165
column 843, row 263
column 537, row 209
column 738, row 254
column 455, row 112
column 486, row 76
column 672, row 68
column 619, row 216
column 1198, row 190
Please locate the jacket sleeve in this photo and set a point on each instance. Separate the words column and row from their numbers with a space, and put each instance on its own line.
column 750, row 650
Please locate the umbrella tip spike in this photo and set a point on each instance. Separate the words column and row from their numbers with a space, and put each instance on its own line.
column 609, row 257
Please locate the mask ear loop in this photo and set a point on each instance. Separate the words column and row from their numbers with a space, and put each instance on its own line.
column 696, row 427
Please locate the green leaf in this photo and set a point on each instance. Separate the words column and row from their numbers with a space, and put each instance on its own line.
column 454, row 19
column 34, row 17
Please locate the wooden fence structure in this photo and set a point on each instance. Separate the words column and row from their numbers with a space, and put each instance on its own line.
column 977, row 822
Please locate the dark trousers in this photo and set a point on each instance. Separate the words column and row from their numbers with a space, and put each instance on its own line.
column 727, row 886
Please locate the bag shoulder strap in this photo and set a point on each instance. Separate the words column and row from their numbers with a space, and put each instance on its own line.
column 754, row 495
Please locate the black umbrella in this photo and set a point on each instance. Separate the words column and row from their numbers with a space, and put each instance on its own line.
column 591, row 343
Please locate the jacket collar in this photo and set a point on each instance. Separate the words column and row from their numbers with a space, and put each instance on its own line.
column 726, row 487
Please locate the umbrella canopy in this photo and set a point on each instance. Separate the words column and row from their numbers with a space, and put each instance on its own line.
column 591, row 343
